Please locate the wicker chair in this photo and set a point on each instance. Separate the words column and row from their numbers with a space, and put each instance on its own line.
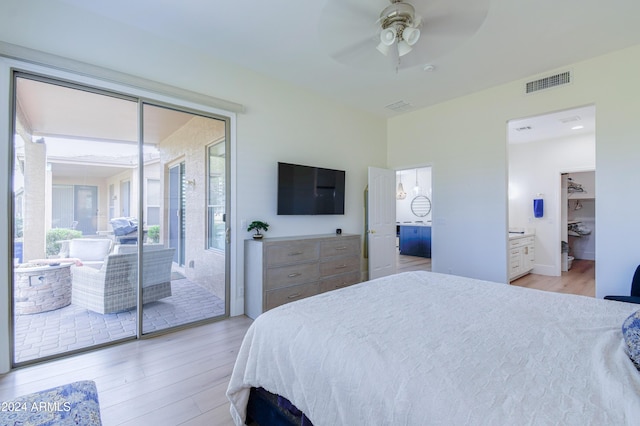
column 113, row 287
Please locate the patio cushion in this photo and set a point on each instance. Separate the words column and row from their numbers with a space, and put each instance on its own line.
column 89, row 249
column 133, row 248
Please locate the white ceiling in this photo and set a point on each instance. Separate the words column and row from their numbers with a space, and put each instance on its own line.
column 558, row 124
column 289, row 40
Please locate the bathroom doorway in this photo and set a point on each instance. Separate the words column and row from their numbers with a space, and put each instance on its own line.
column 413, row 219
column 540, row 150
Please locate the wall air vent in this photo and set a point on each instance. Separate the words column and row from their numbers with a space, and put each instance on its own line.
column 549, row 82
column 399, row 106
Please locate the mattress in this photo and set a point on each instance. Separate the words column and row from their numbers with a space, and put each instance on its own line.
column 425, row 348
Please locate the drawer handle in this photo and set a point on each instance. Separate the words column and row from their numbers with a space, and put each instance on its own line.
column 293, row 296
column 341, row 266
column 341, row 248
column 296, row 253
column 294, row 274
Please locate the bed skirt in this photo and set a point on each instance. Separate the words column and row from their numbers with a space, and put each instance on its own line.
column 265, row 408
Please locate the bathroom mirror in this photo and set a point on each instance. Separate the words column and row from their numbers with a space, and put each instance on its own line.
column 421, row 205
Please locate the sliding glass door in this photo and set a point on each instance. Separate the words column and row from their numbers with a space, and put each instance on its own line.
column 197, row 272
column 94, row 259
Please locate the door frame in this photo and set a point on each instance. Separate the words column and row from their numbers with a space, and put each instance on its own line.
column 7, row 67
column 175, row 225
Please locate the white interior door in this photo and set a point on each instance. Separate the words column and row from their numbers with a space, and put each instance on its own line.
column 381, row 218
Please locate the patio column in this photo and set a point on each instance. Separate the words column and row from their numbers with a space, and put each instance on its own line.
column 35, row 206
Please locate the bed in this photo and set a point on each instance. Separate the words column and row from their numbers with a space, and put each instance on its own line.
column 425, row 348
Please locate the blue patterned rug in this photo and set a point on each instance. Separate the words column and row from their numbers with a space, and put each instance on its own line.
column 72, row 404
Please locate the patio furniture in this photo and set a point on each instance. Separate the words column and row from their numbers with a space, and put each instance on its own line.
column 90, row 251
column 113, row 287
column 125, row 229
column 133, row 248
column 41, row 288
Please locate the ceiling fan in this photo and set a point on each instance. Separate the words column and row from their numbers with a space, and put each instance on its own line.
column 373, row 34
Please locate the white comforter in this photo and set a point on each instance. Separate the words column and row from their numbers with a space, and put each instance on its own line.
column 422, row 348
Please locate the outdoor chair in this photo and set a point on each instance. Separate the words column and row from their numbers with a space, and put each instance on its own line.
column 112, row 288
column 89, row 251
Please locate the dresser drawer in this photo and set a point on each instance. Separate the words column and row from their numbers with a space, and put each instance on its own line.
column 523, row 241
column 292, row 252
column 289, row 294
column 285, row 276
column 340, row 247
column 340, row 266
column 339, row 281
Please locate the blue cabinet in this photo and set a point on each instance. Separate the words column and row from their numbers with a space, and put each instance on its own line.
column 415, row 240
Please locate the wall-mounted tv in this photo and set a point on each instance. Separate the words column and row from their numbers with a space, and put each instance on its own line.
column 306, row 190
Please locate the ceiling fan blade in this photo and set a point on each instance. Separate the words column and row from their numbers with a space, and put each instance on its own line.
column 459, row 17
column 364, row 8
column 348, row 30
column 359, row 48
column 445, row 26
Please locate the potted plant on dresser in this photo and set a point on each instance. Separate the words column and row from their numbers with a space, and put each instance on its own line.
column 258, row 226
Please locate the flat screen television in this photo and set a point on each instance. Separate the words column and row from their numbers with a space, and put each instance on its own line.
column 307, row 190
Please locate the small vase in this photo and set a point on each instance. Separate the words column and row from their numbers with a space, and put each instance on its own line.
column 257, row 236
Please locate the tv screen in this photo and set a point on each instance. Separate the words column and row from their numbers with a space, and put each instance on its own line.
column 304, row 190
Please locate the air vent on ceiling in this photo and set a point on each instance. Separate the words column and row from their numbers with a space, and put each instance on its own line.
column 549, row 82
column 399, row 106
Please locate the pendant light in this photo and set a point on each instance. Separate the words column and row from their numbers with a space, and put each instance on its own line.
column 400, row 194
column 416, row 189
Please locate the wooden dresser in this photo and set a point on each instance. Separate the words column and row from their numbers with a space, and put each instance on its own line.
column 284, row 269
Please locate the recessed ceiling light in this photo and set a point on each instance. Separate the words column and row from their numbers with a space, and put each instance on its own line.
column 577, row 127
column 570, row 119
column 429, row 68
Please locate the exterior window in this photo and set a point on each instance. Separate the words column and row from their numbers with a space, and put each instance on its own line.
column 216, row 197
column 153, row 202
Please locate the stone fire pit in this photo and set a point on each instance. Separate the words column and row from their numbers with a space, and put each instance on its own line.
column 41, row 288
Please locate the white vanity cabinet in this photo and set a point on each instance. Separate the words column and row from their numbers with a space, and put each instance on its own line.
column 522, row 255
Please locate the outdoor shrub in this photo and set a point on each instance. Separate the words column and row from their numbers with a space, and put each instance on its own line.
column 57, row 234
column 153, row 234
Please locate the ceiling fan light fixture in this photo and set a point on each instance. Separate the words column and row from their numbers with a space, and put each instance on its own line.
column 403, row 48
column 411, row 35
column 388, row 36
column 383, row 48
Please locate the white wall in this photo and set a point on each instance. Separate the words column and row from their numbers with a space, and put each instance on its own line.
column 281, row 122
column 534, row 168
column 465, row 142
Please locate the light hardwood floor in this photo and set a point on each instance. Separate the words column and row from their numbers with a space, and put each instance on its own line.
column 174, row 379
column 580, row 279
column 412, row 263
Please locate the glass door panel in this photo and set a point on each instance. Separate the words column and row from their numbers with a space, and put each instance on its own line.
column 72, row 146
column 184, row 274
